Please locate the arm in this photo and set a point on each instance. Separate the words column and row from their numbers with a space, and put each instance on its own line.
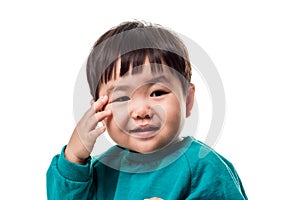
column 67, row 180
column 70, row 175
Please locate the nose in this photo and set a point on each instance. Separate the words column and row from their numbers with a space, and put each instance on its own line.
column 140, row 109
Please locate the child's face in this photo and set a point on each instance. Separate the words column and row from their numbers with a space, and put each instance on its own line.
column 148, row 109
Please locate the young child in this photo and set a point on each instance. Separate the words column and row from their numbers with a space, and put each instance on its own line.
column 139, row 76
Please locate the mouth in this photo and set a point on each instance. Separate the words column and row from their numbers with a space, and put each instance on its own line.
column 144, row 132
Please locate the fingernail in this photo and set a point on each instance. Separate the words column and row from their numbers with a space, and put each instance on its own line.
column 104, row 98
column 103, row 128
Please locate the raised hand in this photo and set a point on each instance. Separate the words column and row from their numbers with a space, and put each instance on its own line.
column 85, row 133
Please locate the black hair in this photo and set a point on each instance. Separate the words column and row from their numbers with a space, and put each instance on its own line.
column 133, row 43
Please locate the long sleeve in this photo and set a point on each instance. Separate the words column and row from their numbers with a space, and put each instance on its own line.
column 182, row 174
column 67, row 180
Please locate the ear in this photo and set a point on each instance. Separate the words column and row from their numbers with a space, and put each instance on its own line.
column 189, row 102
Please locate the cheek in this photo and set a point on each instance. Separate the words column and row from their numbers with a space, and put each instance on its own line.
column 174, row 110
column 120, row 111
column 119, row 117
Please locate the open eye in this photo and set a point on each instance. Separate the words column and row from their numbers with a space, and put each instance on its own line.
column 121, row 99
column 158, row 93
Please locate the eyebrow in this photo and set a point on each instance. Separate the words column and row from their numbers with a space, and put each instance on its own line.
column 117, row 88
column 160, row 79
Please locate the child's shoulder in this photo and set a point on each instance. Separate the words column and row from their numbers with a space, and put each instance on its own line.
column 200, row 154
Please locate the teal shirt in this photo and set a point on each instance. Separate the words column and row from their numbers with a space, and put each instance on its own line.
column 187, row 169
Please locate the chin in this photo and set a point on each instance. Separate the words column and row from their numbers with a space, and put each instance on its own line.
column 147, row 148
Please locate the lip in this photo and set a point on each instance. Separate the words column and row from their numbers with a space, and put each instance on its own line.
column 147, row 131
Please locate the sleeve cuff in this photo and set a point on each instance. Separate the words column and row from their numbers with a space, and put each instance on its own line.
column 73, row 171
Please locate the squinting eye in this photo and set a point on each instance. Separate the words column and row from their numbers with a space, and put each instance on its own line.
column 158, row 93
column 121, row 99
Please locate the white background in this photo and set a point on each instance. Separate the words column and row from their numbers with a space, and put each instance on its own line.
column 255, row 46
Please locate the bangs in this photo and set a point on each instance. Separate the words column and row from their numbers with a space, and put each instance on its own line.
column 132, row 60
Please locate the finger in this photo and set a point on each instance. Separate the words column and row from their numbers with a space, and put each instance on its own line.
column 92, row 101
column 95, row 107
column 100, row 103
column 93, row 120
column 102, row 115
column 97, row 132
